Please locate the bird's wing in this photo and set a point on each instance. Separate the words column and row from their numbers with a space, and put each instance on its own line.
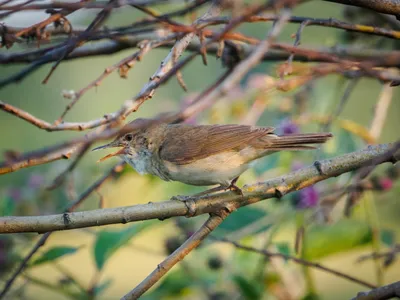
column 185, row 143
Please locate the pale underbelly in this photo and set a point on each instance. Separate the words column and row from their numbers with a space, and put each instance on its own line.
column 217, row 169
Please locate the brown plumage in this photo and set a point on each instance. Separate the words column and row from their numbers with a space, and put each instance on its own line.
column 204, row 154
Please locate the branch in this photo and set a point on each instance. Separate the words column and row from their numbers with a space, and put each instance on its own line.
column 113, row 171
column 193, row 242
column 391, row 7
column 381, row 293
column 296, row 260
column 277, row 187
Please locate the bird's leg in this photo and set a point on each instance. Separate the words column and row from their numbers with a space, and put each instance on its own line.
column 206, row 192
column 233, row 187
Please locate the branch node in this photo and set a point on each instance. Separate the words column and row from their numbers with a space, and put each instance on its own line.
column 278, row 193
column 318, row 166
column 66, row 219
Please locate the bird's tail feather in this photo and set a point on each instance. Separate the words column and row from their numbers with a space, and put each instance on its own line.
column 298, row 141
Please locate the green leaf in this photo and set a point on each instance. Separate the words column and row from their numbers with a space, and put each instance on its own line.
column 54, row 254
column 7, row 206
column 249, row 290
column 241, row 218
column 109, row 241
column 388, row 237
column 283, row 248
column 346, row 234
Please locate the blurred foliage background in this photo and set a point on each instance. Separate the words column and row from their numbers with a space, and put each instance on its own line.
column 117, row 258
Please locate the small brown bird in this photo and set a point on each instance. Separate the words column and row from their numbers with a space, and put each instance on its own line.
column 203, row 154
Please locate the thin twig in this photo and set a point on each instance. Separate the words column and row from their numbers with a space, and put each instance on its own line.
column 296, row 260
column 193, row 242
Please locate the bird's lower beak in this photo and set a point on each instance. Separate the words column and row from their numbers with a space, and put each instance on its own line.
column 110, row 145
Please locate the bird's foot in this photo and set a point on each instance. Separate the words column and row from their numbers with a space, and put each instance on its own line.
column 234, row 188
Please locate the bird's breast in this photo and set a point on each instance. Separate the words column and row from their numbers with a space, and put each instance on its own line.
column 220, row 168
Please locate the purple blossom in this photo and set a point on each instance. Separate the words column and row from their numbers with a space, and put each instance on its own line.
column 288, row 127
column 308, row 197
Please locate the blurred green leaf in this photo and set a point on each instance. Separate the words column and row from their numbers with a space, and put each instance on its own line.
column 241, row 218
column 283, row 248
column 311, row 296
column 54, row 254
column 249, row 289
column 109, row 241
column 102, row 287
column 388, row 237
column 173, row 285
column 346, row 142
column 346, row 234
column 7, row 206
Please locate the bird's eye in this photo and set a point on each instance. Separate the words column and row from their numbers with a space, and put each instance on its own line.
column 128, row 137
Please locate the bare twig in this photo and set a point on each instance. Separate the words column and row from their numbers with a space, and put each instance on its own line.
column 193, row 242
column 296, row 260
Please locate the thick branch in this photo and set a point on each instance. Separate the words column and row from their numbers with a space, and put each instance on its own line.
column 391, row 7
column 381, row 293
column 277, row 187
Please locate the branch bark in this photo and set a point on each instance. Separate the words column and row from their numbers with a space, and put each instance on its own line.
column 381, row 293
column 391, row 7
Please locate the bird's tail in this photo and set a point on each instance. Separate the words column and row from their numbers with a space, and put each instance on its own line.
column 297, row 141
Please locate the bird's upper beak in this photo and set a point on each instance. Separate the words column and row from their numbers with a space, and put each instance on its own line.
column 111, row 145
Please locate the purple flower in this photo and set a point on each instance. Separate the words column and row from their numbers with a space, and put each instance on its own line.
column 288, row 127
column 308, row 197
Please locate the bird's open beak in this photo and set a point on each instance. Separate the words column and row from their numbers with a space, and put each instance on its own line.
column 110, row 145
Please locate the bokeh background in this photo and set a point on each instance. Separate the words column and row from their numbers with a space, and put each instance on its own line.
column 214, row 265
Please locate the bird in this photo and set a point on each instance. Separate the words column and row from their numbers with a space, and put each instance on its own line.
column 202, row 155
